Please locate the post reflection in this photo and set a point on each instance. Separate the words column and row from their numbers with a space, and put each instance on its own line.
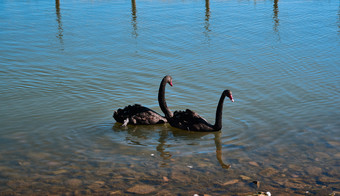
column 60, row 25
column 138, row 135
column 276, row 17
column 207, row 18
column 134, row 18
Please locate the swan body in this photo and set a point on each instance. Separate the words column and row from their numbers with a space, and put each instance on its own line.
column 138, row 115
column 188, row 119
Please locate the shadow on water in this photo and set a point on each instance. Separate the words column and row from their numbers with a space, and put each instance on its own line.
column 60, row 24
column 164, row 133
column 134, row 18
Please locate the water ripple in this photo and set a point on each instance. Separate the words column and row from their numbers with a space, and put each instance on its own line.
column 65, row 69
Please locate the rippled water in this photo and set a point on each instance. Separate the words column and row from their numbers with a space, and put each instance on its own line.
column 65, row 66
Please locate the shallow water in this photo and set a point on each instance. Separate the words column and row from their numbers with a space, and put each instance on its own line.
column 66, row 66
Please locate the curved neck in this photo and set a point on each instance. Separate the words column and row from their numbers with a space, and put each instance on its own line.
column 161, row 99
column 218, row 120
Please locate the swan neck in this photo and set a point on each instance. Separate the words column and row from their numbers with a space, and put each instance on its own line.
column 161, row 99
column 218, row 120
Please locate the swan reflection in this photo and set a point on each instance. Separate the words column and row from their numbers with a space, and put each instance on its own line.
column 60, row 25
column 218, row 145
column 138, row 135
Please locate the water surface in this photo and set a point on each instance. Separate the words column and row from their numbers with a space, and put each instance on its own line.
column 65, row 66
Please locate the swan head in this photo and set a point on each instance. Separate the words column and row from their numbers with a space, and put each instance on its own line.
column 168, row 79
column 229, row 95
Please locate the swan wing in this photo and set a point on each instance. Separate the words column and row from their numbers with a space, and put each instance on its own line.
column 189, row 117
column 138, row 114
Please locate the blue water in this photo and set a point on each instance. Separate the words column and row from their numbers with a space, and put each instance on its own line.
column 65, row 67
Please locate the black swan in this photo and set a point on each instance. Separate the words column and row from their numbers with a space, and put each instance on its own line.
column 190, row 120
column 139, row 115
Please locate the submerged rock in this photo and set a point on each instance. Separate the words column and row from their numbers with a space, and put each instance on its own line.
column 61, row 171
column 73, row 182
column 334, row 143
column 165, row 179
column 115, row 193
column 337, row 155
column 141, row 189
column 53, row 163
column 243, row 177
column 269, row 172
column 181, row 177
column 322, row 156
column 334, row 193
column 16, row 184
column 314, row 171
column 164, row 193
column 24, row 163
column 326, row 179
column 253, row 163
column 230, row 182
column 96, row 185
column 38, row 155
